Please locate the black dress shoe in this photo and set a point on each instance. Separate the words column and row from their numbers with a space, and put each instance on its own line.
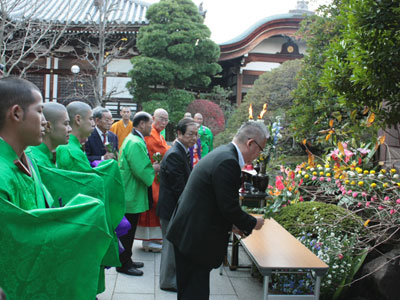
column 130, row 271
column 171, row 289
column 137, row 264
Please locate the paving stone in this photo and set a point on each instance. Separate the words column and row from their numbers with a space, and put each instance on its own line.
column 121, row 296
column 137, row 284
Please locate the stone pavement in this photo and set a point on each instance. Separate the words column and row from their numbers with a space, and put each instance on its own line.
column 231, row 285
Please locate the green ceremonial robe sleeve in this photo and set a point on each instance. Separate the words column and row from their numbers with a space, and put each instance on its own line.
column 52, row 253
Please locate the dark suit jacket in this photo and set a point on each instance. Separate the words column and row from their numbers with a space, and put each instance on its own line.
column 174, row 174
column 208, row 207
column 94, row 147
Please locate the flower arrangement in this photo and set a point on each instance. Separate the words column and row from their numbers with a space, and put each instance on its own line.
column 352, row 181
column 270, row 148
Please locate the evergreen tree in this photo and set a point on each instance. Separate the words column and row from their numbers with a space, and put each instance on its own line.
column 176, row 53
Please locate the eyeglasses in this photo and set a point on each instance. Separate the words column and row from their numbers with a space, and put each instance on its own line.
column 261, row 149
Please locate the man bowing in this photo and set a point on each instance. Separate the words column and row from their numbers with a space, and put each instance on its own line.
column 208, row 209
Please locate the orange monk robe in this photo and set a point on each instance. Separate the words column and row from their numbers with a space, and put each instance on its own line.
column 121, row 131
column 149, row 224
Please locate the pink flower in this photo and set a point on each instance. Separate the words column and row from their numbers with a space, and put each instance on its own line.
column 363, row 151
column 344, row 192
column 355, row 194
column 386, row 198
column 328, row 179
column 337, row 181
column 314, row 178
column 398, row 201
column 364, row 194
column 278, row 183
column 321, row 179
column 392, row 211
column 373, row 198
column 340, row 256
column 301, row 199
column 367, row 204
column 380, row 207
column 349, row 192
column 359, row 204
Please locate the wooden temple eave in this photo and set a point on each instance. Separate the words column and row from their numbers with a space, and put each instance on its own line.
column 266, row 57
column 246, row 48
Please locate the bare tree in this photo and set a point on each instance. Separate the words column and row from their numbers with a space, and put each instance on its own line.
column 105, row 43
column 24, row 39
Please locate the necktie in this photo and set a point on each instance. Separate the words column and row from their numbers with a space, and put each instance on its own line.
column 188, row 159
column 104, row 138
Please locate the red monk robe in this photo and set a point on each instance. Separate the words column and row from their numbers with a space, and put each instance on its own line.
column 149, row 224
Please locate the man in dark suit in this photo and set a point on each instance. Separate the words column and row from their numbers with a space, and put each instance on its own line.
column 209, row 209
column 95, row 147
column 174, row 173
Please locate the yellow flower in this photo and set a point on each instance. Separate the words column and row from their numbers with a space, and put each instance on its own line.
column 373, row 185
column 385, row 185
column 306, row 176
column 398, row 184
column 359, row 170
column 366, row 223
column 341, row 177
column 308, row 168
column 353, row 182
column 124, row 39
column 372, row 172
column 383, row 171
column 328, row 174
column 347, row 181
column 392, row 171
column 352, row 168
column 314, row 173
column 327, row 166
column 361, row 183
column 319, row 166
column 321, row 173
column 366, row 172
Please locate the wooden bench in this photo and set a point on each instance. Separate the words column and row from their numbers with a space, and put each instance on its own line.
column 273, row 249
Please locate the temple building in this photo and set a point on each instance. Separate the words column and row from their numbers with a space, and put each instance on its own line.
column 70, row 44
column 264, row 46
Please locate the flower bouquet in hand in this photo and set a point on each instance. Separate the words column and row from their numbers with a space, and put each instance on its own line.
column 110, row 149
column 157, row 158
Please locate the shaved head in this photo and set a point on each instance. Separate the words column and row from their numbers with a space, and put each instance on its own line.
column 53, row 111
column 77, row 108
column 160, row 118
column 160, row 112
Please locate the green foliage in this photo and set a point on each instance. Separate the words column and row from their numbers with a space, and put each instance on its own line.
column 274, row 88
column 174, row 102
column 220, row 96
column 362, row 66
column 176, row 51
column 299, row 217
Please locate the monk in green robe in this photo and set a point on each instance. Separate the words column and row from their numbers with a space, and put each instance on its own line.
column 72, row 157
column 205, row 134
column 57, row 132
column 45, row 253
column 138, row 174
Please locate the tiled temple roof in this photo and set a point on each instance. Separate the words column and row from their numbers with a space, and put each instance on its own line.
column 81, row 12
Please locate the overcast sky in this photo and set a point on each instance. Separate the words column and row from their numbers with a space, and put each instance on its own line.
column 229, row 18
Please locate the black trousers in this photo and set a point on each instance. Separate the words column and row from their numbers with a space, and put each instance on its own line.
column 193, row 280
column 127, row 240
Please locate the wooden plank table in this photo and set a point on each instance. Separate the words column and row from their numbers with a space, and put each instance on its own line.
column 272, row 248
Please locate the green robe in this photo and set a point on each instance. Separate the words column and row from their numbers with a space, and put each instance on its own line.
column 137, row 173
column 47, row 253
column 71, row 157
column 56, row 179
column 206, row 139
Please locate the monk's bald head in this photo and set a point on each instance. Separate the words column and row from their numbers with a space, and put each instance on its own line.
column 77, row 108
column 53, row 111
column 160, row 118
